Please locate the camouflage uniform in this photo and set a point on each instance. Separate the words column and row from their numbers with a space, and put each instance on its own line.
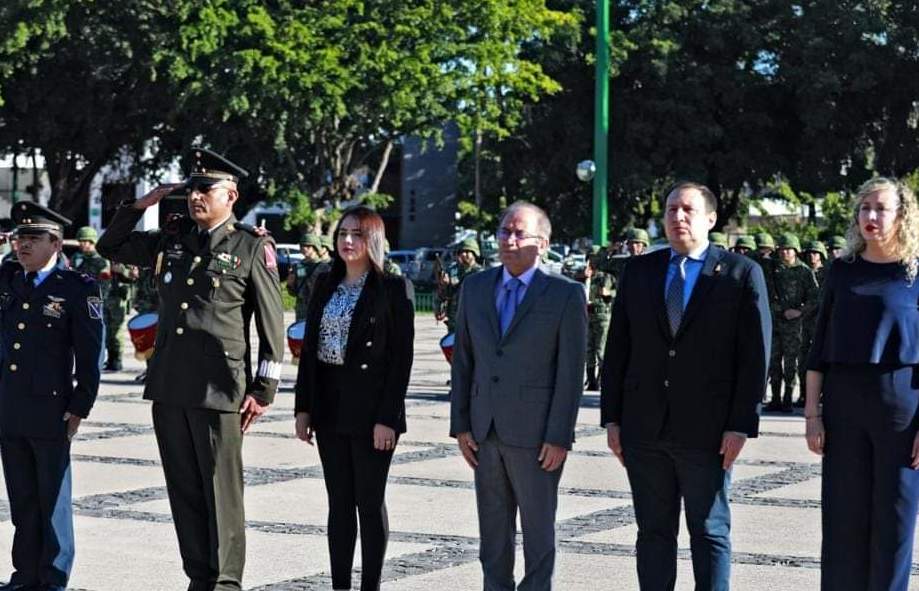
column 793, row 288
column 447, row 296
column 809, row 322
column 146, row 298
column 600, row 293
column 117, row 300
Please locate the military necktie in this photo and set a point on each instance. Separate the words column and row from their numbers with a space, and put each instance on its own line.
column 509, row 305
column 204, row 239
column 675, row 294
column 30, row 281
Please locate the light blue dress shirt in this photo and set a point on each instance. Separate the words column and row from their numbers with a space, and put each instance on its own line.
column 692, row 266
column 501, row 288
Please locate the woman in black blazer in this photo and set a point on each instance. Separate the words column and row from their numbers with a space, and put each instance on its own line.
column 351, row 384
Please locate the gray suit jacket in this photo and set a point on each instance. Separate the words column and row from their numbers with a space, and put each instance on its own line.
column 528, row 383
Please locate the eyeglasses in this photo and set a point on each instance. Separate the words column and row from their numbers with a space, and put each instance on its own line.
column 519, row 235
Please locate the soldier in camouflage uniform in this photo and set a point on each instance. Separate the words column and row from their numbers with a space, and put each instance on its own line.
column 815, row 258
column 449, row 282
column 795, row 296
column 301, row 279
column 326, row 249
column 745, row 245
column 389, row 266
column 117, row 301
column 90, row 262
column 835, row 247
column 718, row 239
column 600, row 294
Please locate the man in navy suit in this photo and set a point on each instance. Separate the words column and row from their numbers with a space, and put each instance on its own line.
column 684, row 372
column 50, row 331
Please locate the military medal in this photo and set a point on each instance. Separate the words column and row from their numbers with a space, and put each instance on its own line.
column 159, row 262
column 167, row 278
column 227, row 261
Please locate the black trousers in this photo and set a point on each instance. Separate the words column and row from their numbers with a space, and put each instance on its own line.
column 201, row 452
column 870, row 493
column 355, row 478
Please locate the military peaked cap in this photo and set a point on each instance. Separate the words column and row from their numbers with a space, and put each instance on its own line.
column 211, row 167
column 32, row 218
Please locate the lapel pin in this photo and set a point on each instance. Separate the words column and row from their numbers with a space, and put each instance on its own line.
column 718, row 269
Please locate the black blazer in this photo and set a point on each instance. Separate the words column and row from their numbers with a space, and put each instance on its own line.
column 710, row 377
column 378, row 358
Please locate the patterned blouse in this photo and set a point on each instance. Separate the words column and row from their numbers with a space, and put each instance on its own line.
column 336, row 321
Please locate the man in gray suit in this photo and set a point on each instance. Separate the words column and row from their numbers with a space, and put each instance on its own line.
column 518, row 375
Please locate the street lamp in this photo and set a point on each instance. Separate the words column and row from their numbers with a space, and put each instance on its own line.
column 586, row 170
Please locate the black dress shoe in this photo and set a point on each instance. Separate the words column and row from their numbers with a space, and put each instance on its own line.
column 19, row 587
column 774, row 406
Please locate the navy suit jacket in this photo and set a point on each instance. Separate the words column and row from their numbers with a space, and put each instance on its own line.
column 707, row 379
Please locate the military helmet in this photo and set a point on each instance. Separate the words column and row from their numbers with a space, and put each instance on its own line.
column 469, row 244
column 595, row 249
column 87, row 233
column 837, row 242
column 718, row 239
column 637, row 235
column 815, row 246
column 310, row 240
column 326, row 243
column 764, row 240
column 789, row 240
column 386, row 247
column 745, row 241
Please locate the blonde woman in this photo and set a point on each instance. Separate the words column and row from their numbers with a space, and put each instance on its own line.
column 863, row 363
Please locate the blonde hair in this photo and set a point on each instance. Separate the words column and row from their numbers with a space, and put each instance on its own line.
column 907, row 248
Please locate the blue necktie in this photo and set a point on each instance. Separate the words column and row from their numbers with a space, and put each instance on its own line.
column 675, row 294
column 509, row 305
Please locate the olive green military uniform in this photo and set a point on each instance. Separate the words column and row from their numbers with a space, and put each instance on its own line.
column 600, row 294
column 389, row 266
column 794, row 288
column 809, row 322
column 210, row 286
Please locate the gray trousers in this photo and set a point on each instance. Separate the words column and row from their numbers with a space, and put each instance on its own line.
column 508, row 478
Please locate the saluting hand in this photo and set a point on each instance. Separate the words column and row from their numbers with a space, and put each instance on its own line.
column 156, row 195
column 251, row 410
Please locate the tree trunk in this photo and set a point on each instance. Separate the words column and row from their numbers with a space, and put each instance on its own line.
column 384, row 162
column 477, row 158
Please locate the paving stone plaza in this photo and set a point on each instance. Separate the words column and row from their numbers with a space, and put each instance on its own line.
column 125, row 538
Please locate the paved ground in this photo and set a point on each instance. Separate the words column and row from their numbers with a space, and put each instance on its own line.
column 125, row 534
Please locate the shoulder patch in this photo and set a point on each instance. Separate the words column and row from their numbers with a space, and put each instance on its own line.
column 271, row 256
column 94, row 306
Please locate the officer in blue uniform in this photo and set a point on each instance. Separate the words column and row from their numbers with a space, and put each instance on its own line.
column 51, row 322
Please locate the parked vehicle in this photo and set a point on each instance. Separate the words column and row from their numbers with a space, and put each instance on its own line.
column 288, row 256
column 407, row 261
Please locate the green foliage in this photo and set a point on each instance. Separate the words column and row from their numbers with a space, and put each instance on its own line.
column 476, row 218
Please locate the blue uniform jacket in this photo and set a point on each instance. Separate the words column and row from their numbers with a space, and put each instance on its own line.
column 48, row 335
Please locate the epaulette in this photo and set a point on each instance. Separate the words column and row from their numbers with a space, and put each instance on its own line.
column 258, row 232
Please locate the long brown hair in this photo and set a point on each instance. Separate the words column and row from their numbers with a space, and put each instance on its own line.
column 374, row 233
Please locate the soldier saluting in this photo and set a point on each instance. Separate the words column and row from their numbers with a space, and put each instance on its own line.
column 51, row 321
column 211, row 273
